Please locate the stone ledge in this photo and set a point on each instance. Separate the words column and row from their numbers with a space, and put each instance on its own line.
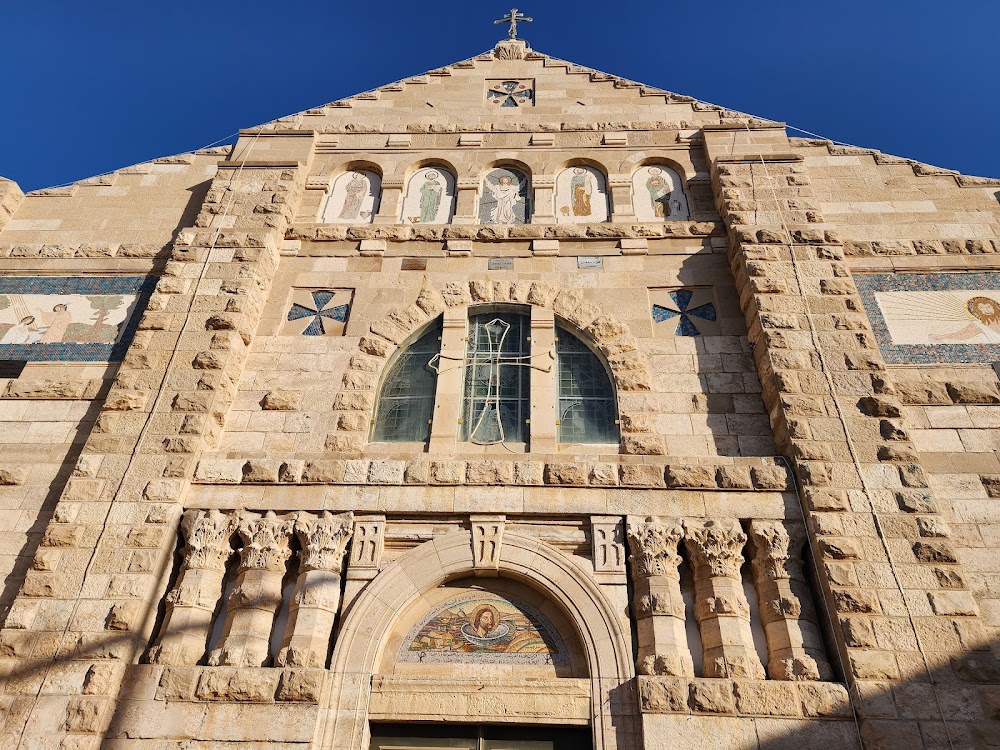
column 896, row 248
column 498, row 233
column 50, row 390
column 228, row 684
column 686, row 695
column 760, row 476
column 85, row 250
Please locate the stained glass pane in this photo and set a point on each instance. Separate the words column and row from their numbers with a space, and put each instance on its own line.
column 497, row 401
column 587, row 410
column 406, row 401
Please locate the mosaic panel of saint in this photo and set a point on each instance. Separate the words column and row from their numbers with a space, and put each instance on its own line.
column 657, row 194
column 504, row 199
column 354, row 198
column 581, row 196
column 430, row 197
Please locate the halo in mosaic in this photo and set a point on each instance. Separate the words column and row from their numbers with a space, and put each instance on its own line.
column 684, row 312
column 71, row 318
column 935, row 318
column 318, row 312
column 484, row 628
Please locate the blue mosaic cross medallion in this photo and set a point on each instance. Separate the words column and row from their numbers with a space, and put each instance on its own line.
column 683, row 311
column 319, row 312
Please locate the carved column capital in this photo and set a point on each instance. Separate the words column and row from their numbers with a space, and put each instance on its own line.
column 265, row 541
column 653, row 546
column 716, row 545
column 324, row 540
column 206, row 539
column 778, row 546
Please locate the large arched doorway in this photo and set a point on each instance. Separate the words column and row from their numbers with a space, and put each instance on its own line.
column 533, row 645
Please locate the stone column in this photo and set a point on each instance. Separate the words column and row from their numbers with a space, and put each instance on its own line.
column 659, row 608
column 794, row 641
column 451, row 380
column 390, row 202
column 542, row 203
column 721, row 607
column 544, row 389
column 620, row 187
column 316, row 599
column 257, row 595
column 466, row 202
column 192, row 602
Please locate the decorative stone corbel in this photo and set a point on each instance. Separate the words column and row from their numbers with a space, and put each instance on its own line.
column 487, row 538
column 721, row 607
column 659, row 607
column 192, row 602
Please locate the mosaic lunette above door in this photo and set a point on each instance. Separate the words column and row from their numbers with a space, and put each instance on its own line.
column 689, row 311
column 484, row 628
column 70, row 319
column 934, row 318
column 317, row 312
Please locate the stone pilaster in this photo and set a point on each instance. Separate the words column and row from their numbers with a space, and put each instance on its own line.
column 794, row 640
column 721, row 607
column 365, row 558
column 901, row 602
column 659, row 608
column 256, row 596
column 192, row 603
column 316, row 599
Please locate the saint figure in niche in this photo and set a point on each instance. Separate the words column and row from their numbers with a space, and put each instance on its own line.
column 356, row 190
column 659, row 192
column 58, row 321
column 507, row 195
column 986, row 322
column 580, row 190
column 430, row 199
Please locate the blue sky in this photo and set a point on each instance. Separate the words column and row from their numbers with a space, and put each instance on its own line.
column 92, row 86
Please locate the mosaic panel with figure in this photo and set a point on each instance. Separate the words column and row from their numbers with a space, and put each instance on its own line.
column 657, row 194
column 86, row 319
column 504, row 199
column 934, row 318
column 484, row 628
column 430, row 197
column 354, row 198
column 581, row 196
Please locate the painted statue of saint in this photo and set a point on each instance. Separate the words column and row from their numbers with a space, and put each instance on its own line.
column 430, row 199
column 356, row 190
column 507, row 195
column 580, row 190
column 659, row 193
column 985, row 325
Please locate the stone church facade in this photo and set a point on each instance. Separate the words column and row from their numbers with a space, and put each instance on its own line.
column 512, row 405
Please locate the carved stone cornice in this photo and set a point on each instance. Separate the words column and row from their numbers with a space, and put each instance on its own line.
column 206, row 538
column 324, row 540
column 716, row 545
column 265, row 541
column 778, row 547
column 653, row 546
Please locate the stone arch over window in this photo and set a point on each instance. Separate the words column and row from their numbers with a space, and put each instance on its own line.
column 373, row 618
column 430, row 196
column 628, row 367
column 581, row 195
column 405, row 406
column 505, row 195
column 354, row 196
column 658, row 193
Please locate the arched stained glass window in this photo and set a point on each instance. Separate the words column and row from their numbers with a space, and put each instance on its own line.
column 406, row 399
column 587, row 410
column 497, row 401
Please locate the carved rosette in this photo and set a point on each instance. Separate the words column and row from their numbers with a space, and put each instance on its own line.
column 324, row 540
column 716, row 545
column 778, row 551
column 206, row 537
column 653, row 547
column 265, row 541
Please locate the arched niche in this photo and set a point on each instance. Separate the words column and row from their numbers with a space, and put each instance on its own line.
column 505, row 197
column 581, row 195
column 430, row 196
column 371, row 628
column 658, row 194
column 354, row 197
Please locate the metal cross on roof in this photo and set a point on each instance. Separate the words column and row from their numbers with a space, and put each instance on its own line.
column 512, row 18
